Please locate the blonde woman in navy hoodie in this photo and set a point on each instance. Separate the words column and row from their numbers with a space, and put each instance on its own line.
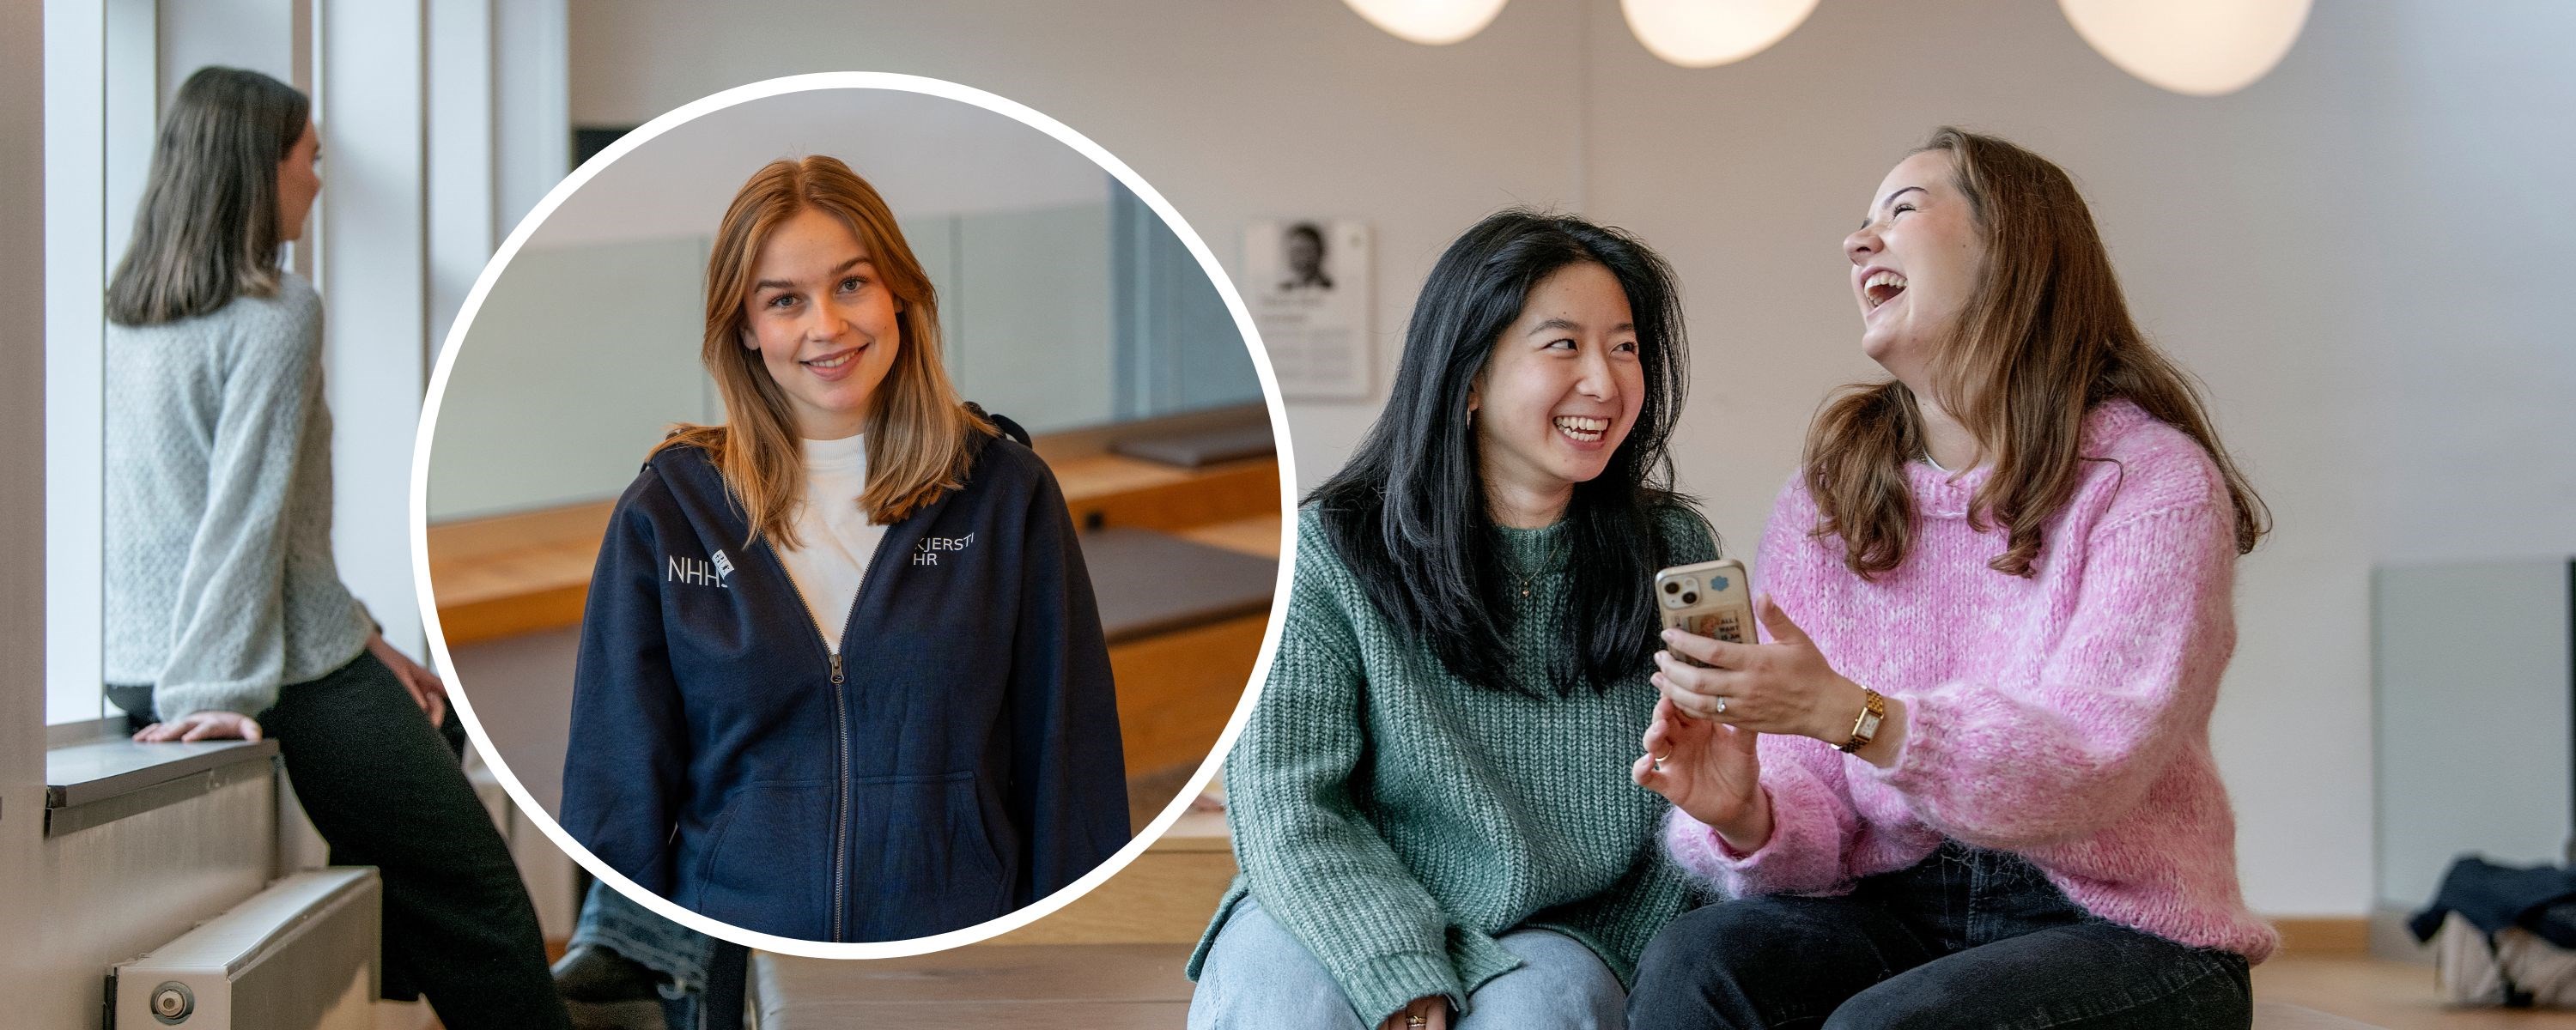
column 841, row 675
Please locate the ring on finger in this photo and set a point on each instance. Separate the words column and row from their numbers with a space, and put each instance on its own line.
column 1721, row 704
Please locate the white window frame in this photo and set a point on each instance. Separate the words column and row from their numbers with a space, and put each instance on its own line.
column 98, row 140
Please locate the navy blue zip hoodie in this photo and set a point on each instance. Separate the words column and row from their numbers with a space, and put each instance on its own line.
column 958, row 760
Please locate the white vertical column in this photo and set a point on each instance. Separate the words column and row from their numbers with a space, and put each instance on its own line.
column 74, row 277
column 461, row 169
column 373, row 271
column 131, row 113
column 532, row 106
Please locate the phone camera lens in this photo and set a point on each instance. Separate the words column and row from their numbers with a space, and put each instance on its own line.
column 1672, row 588
column 1691, row 598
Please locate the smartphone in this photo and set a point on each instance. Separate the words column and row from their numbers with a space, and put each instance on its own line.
column 1711, row 599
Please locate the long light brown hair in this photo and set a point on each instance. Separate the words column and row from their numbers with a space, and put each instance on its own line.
column 922, row 439
column 2044, row 337
column 206, row 229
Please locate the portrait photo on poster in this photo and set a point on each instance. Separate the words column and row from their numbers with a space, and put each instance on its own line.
column 779, row 503
column 1309, row 280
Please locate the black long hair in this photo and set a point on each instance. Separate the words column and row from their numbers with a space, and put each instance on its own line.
column 1408, row 514
column 206, row 230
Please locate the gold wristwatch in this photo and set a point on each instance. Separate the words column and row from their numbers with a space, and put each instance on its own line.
column 1865, row 729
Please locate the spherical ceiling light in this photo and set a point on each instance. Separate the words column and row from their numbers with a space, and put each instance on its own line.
column 1430, row 22
column 2202, row 48
column 1707, row 33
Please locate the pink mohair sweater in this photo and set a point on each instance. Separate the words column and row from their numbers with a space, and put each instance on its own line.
column 2063, row 717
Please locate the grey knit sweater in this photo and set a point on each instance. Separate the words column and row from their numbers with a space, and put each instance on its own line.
column 219, row 581
column 1396, row 819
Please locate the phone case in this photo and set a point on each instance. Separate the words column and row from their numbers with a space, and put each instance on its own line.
column 1709, row 599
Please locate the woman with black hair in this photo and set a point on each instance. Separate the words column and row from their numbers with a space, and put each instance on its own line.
column 1429, row 802
column 225, row 615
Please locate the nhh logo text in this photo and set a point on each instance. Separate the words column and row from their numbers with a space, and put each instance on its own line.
column 709, row 573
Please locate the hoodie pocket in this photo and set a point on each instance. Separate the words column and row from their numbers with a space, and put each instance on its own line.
column 768, row 863
column 926, row 857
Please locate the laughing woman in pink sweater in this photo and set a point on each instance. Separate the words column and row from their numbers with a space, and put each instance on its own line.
column 1982, row 793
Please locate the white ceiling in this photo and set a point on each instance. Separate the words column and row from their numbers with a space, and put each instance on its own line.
column 927, row 155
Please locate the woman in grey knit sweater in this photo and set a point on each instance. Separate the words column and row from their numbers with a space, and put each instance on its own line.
column 1431, row 803
column 225, row 616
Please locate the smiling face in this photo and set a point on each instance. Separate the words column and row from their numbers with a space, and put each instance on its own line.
column 298, row 182
column 1562, row 387
column 823, row 321
column 1915, row 262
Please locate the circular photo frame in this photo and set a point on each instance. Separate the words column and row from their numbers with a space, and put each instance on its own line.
column 738, row 101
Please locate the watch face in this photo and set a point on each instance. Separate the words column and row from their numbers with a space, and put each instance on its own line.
column 1868, row 726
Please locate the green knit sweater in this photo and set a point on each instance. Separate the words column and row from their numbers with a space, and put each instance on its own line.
column 1396, row 819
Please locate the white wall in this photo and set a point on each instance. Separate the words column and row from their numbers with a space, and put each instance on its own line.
column 255, row 34
column 1233, row 111
column 926, row 155
column 2353, row 252
column 2468, row 148
column 579, row 359
column 586, row 349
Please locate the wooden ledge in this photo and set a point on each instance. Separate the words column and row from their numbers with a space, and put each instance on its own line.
column 523, row 573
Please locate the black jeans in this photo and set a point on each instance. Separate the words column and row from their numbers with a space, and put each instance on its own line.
column 1967, row 938
column 384, row 788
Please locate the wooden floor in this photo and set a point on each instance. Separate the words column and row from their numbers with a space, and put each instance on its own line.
column 2395, row 995
column 1083, row 987
column 1114, row 987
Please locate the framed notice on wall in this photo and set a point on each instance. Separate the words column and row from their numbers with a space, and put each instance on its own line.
column 1308, row 283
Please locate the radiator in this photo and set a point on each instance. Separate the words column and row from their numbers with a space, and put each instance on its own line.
column 301, row 955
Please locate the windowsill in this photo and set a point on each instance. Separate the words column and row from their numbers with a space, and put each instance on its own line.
column 100, row 776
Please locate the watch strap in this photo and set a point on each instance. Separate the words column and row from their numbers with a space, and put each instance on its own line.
column 1865, row 728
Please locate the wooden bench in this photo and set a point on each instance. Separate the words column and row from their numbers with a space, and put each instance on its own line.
column 1071, row 987
column 1111, row 959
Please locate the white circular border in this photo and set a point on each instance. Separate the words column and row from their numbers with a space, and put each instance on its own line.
column 509, row 249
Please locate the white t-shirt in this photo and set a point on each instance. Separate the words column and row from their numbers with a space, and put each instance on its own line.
column 835, row 538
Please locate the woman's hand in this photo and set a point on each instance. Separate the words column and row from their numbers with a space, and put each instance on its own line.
column 1709, row 770
column 208, row 725
column 426, row 690
column 1433, row 1011
column 1784, row 686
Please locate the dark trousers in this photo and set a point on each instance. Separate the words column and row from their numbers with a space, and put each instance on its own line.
column 384, row 788
column 1967, row 938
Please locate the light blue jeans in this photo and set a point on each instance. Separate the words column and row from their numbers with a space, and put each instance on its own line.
column 1257, row 977
column 680, row 954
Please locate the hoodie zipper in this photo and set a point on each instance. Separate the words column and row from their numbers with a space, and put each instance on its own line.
column 840, row 742
column 840, row 720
